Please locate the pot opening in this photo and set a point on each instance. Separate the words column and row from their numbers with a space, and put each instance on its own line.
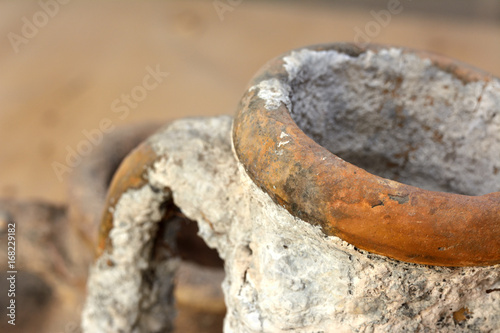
column 398, row 116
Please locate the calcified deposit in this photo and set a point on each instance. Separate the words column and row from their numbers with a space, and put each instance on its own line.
column 282, row 273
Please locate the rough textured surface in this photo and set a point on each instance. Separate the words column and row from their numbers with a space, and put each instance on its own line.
column 398, row 116
column 284, row 274
column 128, row 291
column 199, row 308
column 399, row 113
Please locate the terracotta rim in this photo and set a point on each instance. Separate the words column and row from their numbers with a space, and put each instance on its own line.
column 379, row 215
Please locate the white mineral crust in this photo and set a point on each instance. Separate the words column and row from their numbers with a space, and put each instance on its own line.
column 283, row 274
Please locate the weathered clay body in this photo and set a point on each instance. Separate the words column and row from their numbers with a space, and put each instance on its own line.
column 272, row 201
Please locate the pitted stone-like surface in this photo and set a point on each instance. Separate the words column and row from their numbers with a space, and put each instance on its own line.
column 127, row 291
column 283, row 274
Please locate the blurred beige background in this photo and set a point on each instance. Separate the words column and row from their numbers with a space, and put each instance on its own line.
column 63, row 66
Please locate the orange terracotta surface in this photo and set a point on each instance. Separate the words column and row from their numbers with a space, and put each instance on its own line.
column 375, row 214
column 131, row 174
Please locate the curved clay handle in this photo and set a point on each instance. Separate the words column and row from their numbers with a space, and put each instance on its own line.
column 131, row 174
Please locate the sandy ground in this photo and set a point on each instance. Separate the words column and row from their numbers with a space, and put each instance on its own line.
column 68, row 75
